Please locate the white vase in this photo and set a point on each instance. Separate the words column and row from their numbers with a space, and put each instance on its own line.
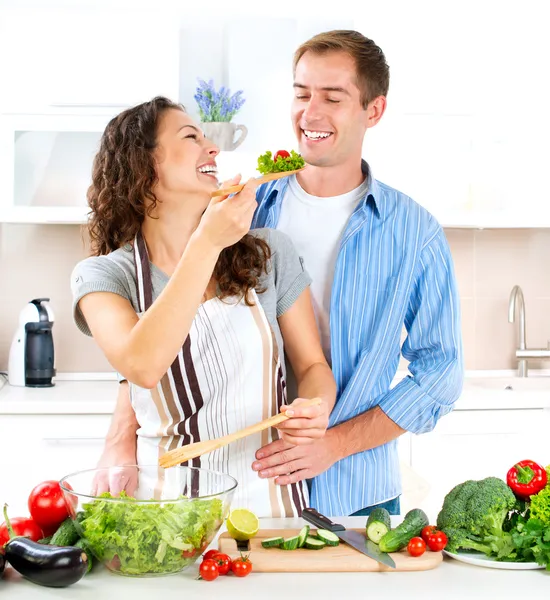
column 223, row 134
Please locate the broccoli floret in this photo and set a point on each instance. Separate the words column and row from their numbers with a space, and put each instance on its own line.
column 473, row 515
column 490, row 506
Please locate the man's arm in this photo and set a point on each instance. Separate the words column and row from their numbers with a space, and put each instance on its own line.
column 434, row 349
column 120, row 447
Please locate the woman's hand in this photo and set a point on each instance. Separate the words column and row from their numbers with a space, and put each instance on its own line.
column 227, row 218
column 306, row 424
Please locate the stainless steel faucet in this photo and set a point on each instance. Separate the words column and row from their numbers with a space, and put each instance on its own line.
column 523, row 353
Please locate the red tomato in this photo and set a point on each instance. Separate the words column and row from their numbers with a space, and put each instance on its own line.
column 47, row 504
column 437, row 541
column 241, row 566
column 416, row 547
column 210, row 554
column 208, row 570
column 23, row 526
column 427, row 531
column 223, row 561
column 189, row 553
column 282, row 154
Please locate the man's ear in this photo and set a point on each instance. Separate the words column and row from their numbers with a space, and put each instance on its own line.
column 375, row 110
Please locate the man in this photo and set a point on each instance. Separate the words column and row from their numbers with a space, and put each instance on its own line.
column 378, row 261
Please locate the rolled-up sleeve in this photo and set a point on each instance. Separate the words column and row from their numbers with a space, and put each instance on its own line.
column 433, row 345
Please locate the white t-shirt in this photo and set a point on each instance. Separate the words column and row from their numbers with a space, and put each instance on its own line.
column 316, row 225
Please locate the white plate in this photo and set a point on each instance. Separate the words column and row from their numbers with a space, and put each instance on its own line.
column 482, row 560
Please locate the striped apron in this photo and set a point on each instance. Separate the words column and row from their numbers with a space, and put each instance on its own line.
column 227, row 376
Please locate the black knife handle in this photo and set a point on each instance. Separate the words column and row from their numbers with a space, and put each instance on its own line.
column 320, row 521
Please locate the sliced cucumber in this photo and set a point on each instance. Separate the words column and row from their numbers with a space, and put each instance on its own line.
column 291, row 543
column 272, row 542
column 329, row 538
column 314, row 543
column 378, row 524
column 303, row 535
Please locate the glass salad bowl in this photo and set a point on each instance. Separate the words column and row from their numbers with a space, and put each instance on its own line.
column 158, row 525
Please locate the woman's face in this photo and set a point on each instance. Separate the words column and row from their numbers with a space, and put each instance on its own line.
column 185, row 159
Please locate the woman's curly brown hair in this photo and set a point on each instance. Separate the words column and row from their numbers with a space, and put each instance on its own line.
column 121, row 194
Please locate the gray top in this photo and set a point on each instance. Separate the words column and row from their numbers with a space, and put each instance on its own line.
column 285, row 280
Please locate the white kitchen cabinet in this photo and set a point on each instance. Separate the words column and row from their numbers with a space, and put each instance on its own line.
column 66, row 61
column 46, row 166
column 41, row 447
column 473, row 444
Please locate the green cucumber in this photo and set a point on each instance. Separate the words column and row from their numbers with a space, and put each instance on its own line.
column 273, row 542
column 314, row 543
column 303, row 535
column 329, row 538
column 396, row 539
column 45, row 540
column 291, row 543
column 66, row 534
column 378, row 524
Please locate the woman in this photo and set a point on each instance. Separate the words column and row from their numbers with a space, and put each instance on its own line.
column 192, row 308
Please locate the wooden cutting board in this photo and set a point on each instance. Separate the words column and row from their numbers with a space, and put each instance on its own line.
column 341, row 558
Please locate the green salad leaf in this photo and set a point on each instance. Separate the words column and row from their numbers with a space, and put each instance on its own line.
column 266, row 164
column 150, row 538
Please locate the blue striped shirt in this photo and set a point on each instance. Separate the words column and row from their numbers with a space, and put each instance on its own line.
column 394, row 268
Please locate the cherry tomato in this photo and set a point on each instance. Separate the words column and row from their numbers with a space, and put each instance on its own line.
column 282, row 154
column 47, row 504
column 416, row 547
column 210, row 554
column 437, row 541
column 208, row 570
column 223, row 561
column 189, row 553
column 427, row 531
column 23, row 526
column 241, row 566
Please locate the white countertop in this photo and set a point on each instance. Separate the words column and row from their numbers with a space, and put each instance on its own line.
column 483, row 390
column 451, row 579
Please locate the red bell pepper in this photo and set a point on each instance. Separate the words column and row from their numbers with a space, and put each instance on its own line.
column 526, row 478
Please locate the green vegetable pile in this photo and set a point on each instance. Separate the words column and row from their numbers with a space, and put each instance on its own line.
column 266, row 164
column 150, row 538
column 485, row 516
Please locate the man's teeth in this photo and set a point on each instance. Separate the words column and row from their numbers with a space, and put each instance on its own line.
column 314, row 135
column 208, row 169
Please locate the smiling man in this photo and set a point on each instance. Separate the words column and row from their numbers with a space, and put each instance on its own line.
column 379, row 262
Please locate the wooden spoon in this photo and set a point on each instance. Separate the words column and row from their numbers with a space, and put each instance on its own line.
column 179, row 455
column 263, row 179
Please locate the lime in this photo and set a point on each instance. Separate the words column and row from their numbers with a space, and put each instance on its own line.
column 242, row 524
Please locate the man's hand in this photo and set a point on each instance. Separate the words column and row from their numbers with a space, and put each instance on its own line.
column 306, row 424
column 289, row 463
column 119, row 476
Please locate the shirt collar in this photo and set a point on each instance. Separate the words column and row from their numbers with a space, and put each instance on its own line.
column 374, row 198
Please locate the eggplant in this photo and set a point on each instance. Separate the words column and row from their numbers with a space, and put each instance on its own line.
column 51, row 566
column 2, row 563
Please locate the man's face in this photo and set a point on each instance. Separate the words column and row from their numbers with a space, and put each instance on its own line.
column 328, row 118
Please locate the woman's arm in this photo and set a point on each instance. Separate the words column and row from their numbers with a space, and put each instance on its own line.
column 142, row 350
column 313, row 375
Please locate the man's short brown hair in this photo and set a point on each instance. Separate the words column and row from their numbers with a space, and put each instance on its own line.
column 373, row 72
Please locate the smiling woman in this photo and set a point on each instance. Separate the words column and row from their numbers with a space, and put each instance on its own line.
column 193, row 308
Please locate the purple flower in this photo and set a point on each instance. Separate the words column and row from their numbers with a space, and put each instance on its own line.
column 217, row 105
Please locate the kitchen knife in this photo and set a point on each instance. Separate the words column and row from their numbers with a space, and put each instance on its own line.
column 354, row 538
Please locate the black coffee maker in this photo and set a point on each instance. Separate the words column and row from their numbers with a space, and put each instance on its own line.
column 31, row 361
